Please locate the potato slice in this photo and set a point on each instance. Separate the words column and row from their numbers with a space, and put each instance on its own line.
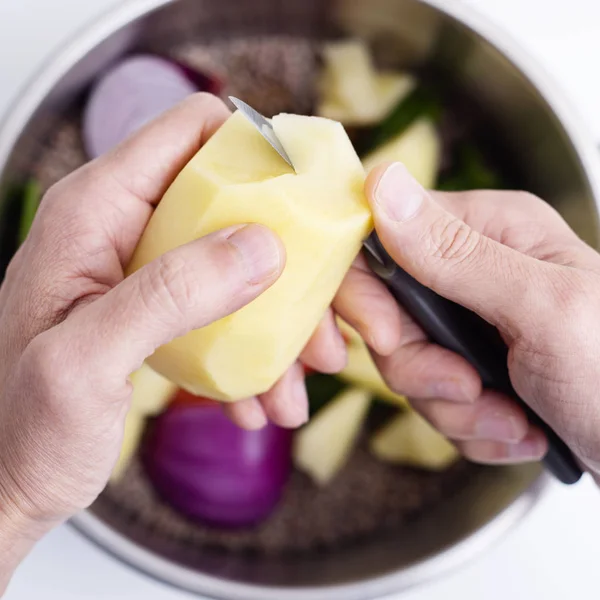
column 322, row 447
column 361, row 370
column 349, row 76
column 351, row 89
column 134, row 428
column 321, row 215
column 151, row 395
column 391, row 88
column 419, row 148
column 151, row 391
column 410, row 440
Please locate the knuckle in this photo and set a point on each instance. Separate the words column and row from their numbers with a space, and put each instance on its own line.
column 44, row 363
column 569, row 309
column 185, row 288
column 557, row 357
column 116, row 185
column 571, row 294
column 453, row 240
column 61, row 191
column 56, row 191
column 166, row 287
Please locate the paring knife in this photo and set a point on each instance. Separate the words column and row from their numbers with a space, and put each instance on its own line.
column 447, row 324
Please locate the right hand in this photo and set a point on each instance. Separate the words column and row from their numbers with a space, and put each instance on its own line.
column 509, row 257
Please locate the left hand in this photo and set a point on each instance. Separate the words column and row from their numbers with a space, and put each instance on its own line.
column 74, row 329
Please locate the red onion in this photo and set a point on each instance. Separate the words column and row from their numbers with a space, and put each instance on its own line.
column 204, row 82
column 212, row 471
column 134, row 92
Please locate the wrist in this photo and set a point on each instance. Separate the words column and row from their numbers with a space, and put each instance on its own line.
column 18, row 535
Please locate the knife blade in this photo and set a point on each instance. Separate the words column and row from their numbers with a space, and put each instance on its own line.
column 264, row 126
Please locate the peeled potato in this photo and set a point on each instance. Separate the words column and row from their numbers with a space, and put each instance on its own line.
column 321, row 215
column 151, row 394
column 419, row 148
column 360, row 369
column 351, row 89
column 322, row 447
column 410, row 440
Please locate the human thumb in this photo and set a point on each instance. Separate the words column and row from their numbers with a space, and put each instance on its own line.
column 185, row 289
column 443, row 253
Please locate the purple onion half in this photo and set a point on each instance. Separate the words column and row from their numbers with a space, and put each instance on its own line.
column 134, row 92
column 211, row 471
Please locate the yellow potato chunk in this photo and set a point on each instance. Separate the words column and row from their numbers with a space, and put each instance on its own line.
column 132, row 435
column 410, row 440
column 151, row 392
column 361, row 370
column 353, row 91
column 151, row 395
column 319, row 212
column 419, row 148
column 323, row 446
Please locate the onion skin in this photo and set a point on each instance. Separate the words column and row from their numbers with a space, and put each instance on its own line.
column 205, row 82
column 135, row 91
column 211, row 471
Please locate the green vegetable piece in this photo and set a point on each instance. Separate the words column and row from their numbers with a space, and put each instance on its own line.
column 470, row 173
column 321, row 389
column 31, row 199
column 421, row 102
column 380, row 412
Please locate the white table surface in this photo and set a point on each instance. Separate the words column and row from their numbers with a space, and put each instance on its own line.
column 553, row 554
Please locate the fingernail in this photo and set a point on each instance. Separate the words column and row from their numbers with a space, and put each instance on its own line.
column 259, row 250
column 398, row 193
column 528, row 449
column 498, row 427
column 451, row 389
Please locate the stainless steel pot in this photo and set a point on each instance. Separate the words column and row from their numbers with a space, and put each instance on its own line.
column 542, row 133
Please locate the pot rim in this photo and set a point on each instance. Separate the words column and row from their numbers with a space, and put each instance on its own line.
column 87, row 37
column 443, row 563
column 22, row 108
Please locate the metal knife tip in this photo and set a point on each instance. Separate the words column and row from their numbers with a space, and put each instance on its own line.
column 264, row 126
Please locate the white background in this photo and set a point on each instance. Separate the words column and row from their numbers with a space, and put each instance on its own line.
column 554, row 554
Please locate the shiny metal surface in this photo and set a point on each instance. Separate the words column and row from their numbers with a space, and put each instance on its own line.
column 535, row 123
column 264, row 127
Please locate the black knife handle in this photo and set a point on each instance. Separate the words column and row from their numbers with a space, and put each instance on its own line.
column 462, row 331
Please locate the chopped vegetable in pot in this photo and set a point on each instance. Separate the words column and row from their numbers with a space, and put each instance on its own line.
column 471, row 172
column 212, row 471
column 31, row 200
